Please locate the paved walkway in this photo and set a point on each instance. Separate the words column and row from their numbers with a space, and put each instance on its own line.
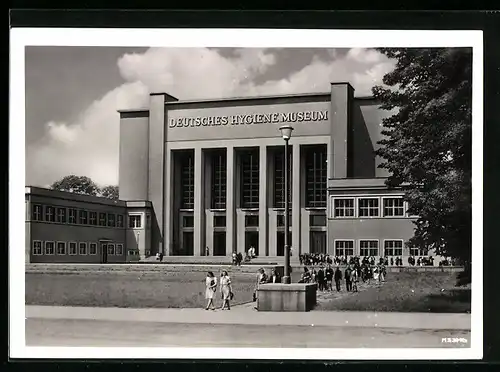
column 246, row 315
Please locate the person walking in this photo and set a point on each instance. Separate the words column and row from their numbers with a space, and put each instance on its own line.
column 348, row 277
column 329, row 278
column 338, row 278
column 226, row 290
column 355, row 279
column 211, row 287
column 321, row 279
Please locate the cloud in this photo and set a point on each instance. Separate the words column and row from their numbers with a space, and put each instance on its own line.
column 89, row 145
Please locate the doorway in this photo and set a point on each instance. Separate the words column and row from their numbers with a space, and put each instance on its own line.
column 104, row 252
column 219, row 243
column 252, row 240
column 280, row 242
column 317, row 242
column 187, row 243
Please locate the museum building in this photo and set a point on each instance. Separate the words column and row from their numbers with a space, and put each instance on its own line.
column 206, row 177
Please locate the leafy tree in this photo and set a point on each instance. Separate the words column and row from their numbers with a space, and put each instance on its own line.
column 110, row 192
column 76, row 184
column 427, row 144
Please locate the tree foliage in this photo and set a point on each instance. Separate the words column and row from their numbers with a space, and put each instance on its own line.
column 76, row 184
column 85, row 185
column 427, row 143
column 110, row 192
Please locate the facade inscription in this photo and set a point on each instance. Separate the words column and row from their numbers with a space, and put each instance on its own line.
column 248, row 119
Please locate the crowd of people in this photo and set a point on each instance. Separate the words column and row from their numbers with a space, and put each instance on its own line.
column 316, row 259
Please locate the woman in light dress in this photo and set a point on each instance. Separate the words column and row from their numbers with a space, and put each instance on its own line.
column 211, row 287
column 226, row 290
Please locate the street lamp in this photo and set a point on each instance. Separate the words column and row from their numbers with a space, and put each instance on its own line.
column 286, row 133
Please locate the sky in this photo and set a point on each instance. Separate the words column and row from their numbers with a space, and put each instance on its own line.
column 73, row 93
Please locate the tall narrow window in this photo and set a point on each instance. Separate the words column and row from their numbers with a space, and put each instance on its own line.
column 250, row 178
column 102, row 219
column 61, row 215
column 50, row 214
column 316, row 176
column 187, row 180
column 279, row 178
column 111, row 220
column 72, row 215
column 83, row 217
column 93, row 218
column 219, row 180
column 37, row 212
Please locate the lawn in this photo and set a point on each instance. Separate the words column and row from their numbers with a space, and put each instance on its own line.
column 129, row 289
column 409, row 292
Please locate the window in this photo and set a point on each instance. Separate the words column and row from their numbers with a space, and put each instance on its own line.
column 61, row 215
column 72, row 248
column 368, row 207
column 219, row 221
column 72, row 215
column 49, row 248
column 37, row 212
column 279, row 178
column 93, row 218
column 61, row 248
column 187, row 221
column 317, row 220
column 111, row 249
column 343, row 207
column 393, row 248
column 134, row 221
column 251, row 221
column 280, row 219
column 37, row 247
column 368, row 248
column 393, row 207
column 187, row 180
column 344, row 248
column 250, row 179
column 219, row 179
column 83, row 217
column 50, row 214
column 93, row 248
column 418, row 252
column 111, row 220
column 119, row 249
column 119, row 220
column 316, row 167
column 82, row 248
column 102, row 219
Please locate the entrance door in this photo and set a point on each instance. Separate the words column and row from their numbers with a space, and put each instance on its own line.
column 104, row 252
column 252, row 240
column 317, row 242
column 187, row 243
column 280, row 242
column 219, row 243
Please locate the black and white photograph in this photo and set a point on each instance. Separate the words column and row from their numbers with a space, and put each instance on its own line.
column 246, row 194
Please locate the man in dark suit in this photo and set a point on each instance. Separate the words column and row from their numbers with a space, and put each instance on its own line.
column 348, row 282
column 329, row 278
column 321, row 279
column 338, row 278
column 274, row 277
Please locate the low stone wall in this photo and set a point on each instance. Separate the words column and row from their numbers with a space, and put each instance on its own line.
column 286, row 297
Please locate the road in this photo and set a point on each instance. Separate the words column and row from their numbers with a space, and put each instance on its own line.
column 96, row 333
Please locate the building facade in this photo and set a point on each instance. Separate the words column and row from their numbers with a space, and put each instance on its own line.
column 73, row 228
column 213, row 172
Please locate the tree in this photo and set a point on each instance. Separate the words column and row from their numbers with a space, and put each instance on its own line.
column 427, row 144
column 110, row 192
column 76, row 184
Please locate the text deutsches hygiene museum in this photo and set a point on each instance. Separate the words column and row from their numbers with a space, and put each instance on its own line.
column 247, row 119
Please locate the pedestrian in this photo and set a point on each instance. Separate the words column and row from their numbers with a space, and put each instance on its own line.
column 211, row 287
column 338, row 278
column 226, row 290
column 207, row 251
column 329, row 278
column 355, row 279
column 321, row 279
column 348, row 277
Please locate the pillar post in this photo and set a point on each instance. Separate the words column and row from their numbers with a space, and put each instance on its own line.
column 230, row 201
column 199, row 201
column 296, row 194
column 263, row 201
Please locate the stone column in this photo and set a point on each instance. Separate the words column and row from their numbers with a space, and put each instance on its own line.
column 199, row 201
column 230, row 201
column 168, row 205
column 296, row 194
column 263, row 251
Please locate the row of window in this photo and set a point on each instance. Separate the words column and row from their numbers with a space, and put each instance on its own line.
column 385, row 206
column 315, row 173
column 371, row 248
column 74, row 216
column 49, row 248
